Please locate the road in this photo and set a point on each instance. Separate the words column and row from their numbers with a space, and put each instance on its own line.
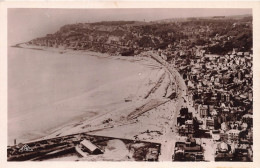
column 170, row 135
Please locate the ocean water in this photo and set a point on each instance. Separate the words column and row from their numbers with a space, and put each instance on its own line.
column 47, row 89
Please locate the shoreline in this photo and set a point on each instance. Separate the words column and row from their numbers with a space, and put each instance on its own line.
column 83, row 52
column 111, row 128
column 76, row 119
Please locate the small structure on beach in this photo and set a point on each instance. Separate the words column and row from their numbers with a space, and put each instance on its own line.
column 87, row 146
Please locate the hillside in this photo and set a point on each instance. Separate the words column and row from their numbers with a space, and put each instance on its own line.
column 217, row 35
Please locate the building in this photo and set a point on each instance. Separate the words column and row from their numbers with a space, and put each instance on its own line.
column 248, row 118
column 87, row 146
column 189, row 128
column 188, row 151
column 223, row 152
column 233, row 135
column 210, row 123
column 203, row 111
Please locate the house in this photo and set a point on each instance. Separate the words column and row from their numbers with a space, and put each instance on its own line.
column 189, row 129
column 181, row 120
column 216, row 135
column 233, row 135
column 248, row 118
column 210, row 123
column 223, row 152
column 182, row 130
column 112, row 39
column 223, row 136
column 240, row 53
column 223, row 147
column 203, row 111
column 184, row 112
column 241, row 153
column 213, row 112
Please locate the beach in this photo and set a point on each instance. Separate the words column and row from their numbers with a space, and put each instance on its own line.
column 54, row 93
column 47, row 89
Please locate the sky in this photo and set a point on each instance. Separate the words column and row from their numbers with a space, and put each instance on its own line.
column 25, row 24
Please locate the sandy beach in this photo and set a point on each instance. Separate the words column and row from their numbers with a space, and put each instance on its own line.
column 75, row 92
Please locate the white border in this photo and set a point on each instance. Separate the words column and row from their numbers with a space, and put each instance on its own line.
column 116, row 4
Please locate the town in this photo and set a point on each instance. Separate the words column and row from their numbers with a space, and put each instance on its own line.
column 214, row 56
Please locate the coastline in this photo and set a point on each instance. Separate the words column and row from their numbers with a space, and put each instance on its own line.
column 62, row 50
column 128, row 121
column 85, row 100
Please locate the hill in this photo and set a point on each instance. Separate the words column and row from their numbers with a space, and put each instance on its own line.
column 217, row 34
